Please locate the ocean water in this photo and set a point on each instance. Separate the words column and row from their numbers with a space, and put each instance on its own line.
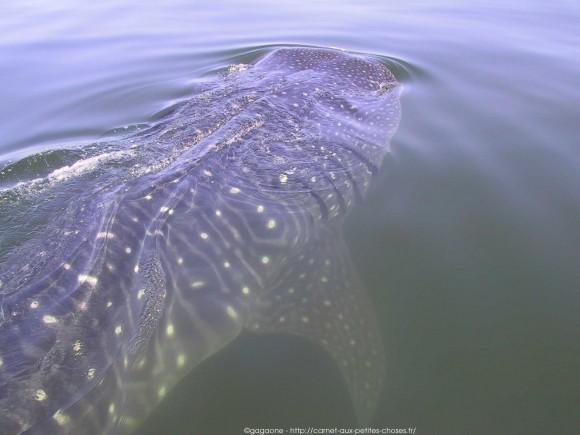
column 469, row 241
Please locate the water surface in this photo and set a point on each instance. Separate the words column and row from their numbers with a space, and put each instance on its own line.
column 469, row 241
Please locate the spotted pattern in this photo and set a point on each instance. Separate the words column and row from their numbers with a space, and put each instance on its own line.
column 225, row 215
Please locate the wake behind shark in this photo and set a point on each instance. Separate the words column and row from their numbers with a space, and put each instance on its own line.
column 224, row 216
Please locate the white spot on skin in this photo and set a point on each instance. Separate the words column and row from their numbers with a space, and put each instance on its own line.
column 227, row 264
column 204, row 236
column 231, row 312
column 136, row 269
column 271, row 224
column 218, row 213
column 112, row 408
column 118, row 330
column 162, row 392
column 66, row 266
column 128, row 250
column 180, row 360
column 246, row 290
column 148, row 197
column 164, row 209
column 48, row 319
column 91, row 373
column 140, row 294
column 34, row 304
column 40, row 395
column 170, row 330
column 61, row 418
column 90, row 280
column 283, row 178
column 234, row 190
column 105, row 235
column 1, row 362
column 260, row 209
column 197, row 284
column 180, row 261
column 324, row 279
column 77, row 346
column 265, row 259
column 109, row 304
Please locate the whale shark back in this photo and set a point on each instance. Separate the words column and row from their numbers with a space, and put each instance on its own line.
column 226, row 215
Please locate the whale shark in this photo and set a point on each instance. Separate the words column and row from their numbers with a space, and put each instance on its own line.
column 134, row 259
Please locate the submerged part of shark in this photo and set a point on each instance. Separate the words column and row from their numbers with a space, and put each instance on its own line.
column 120, row 271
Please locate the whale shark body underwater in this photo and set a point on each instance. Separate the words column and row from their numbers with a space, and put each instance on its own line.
column 123, row 269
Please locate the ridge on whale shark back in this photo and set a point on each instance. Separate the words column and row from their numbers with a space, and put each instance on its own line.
column 227, row 215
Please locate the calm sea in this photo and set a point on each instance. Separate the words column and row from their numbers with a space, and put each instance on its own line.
column 469, row 242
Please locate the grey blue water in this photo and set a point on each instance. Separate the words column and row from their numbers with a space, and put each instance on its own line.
column 466, row 244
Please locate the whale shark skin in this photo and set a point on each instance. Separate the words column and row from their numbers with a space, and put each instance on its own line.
column 136, row 262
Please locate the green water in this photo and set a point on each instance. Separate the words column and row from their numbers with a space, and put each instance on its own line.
column 469, row 241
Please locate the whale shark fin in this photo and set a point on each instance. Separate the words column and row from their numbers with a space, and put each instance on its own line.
column 319, row 296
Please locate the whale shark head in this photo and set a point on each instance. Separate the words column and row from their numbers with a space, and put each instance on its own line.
column 140, row 260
